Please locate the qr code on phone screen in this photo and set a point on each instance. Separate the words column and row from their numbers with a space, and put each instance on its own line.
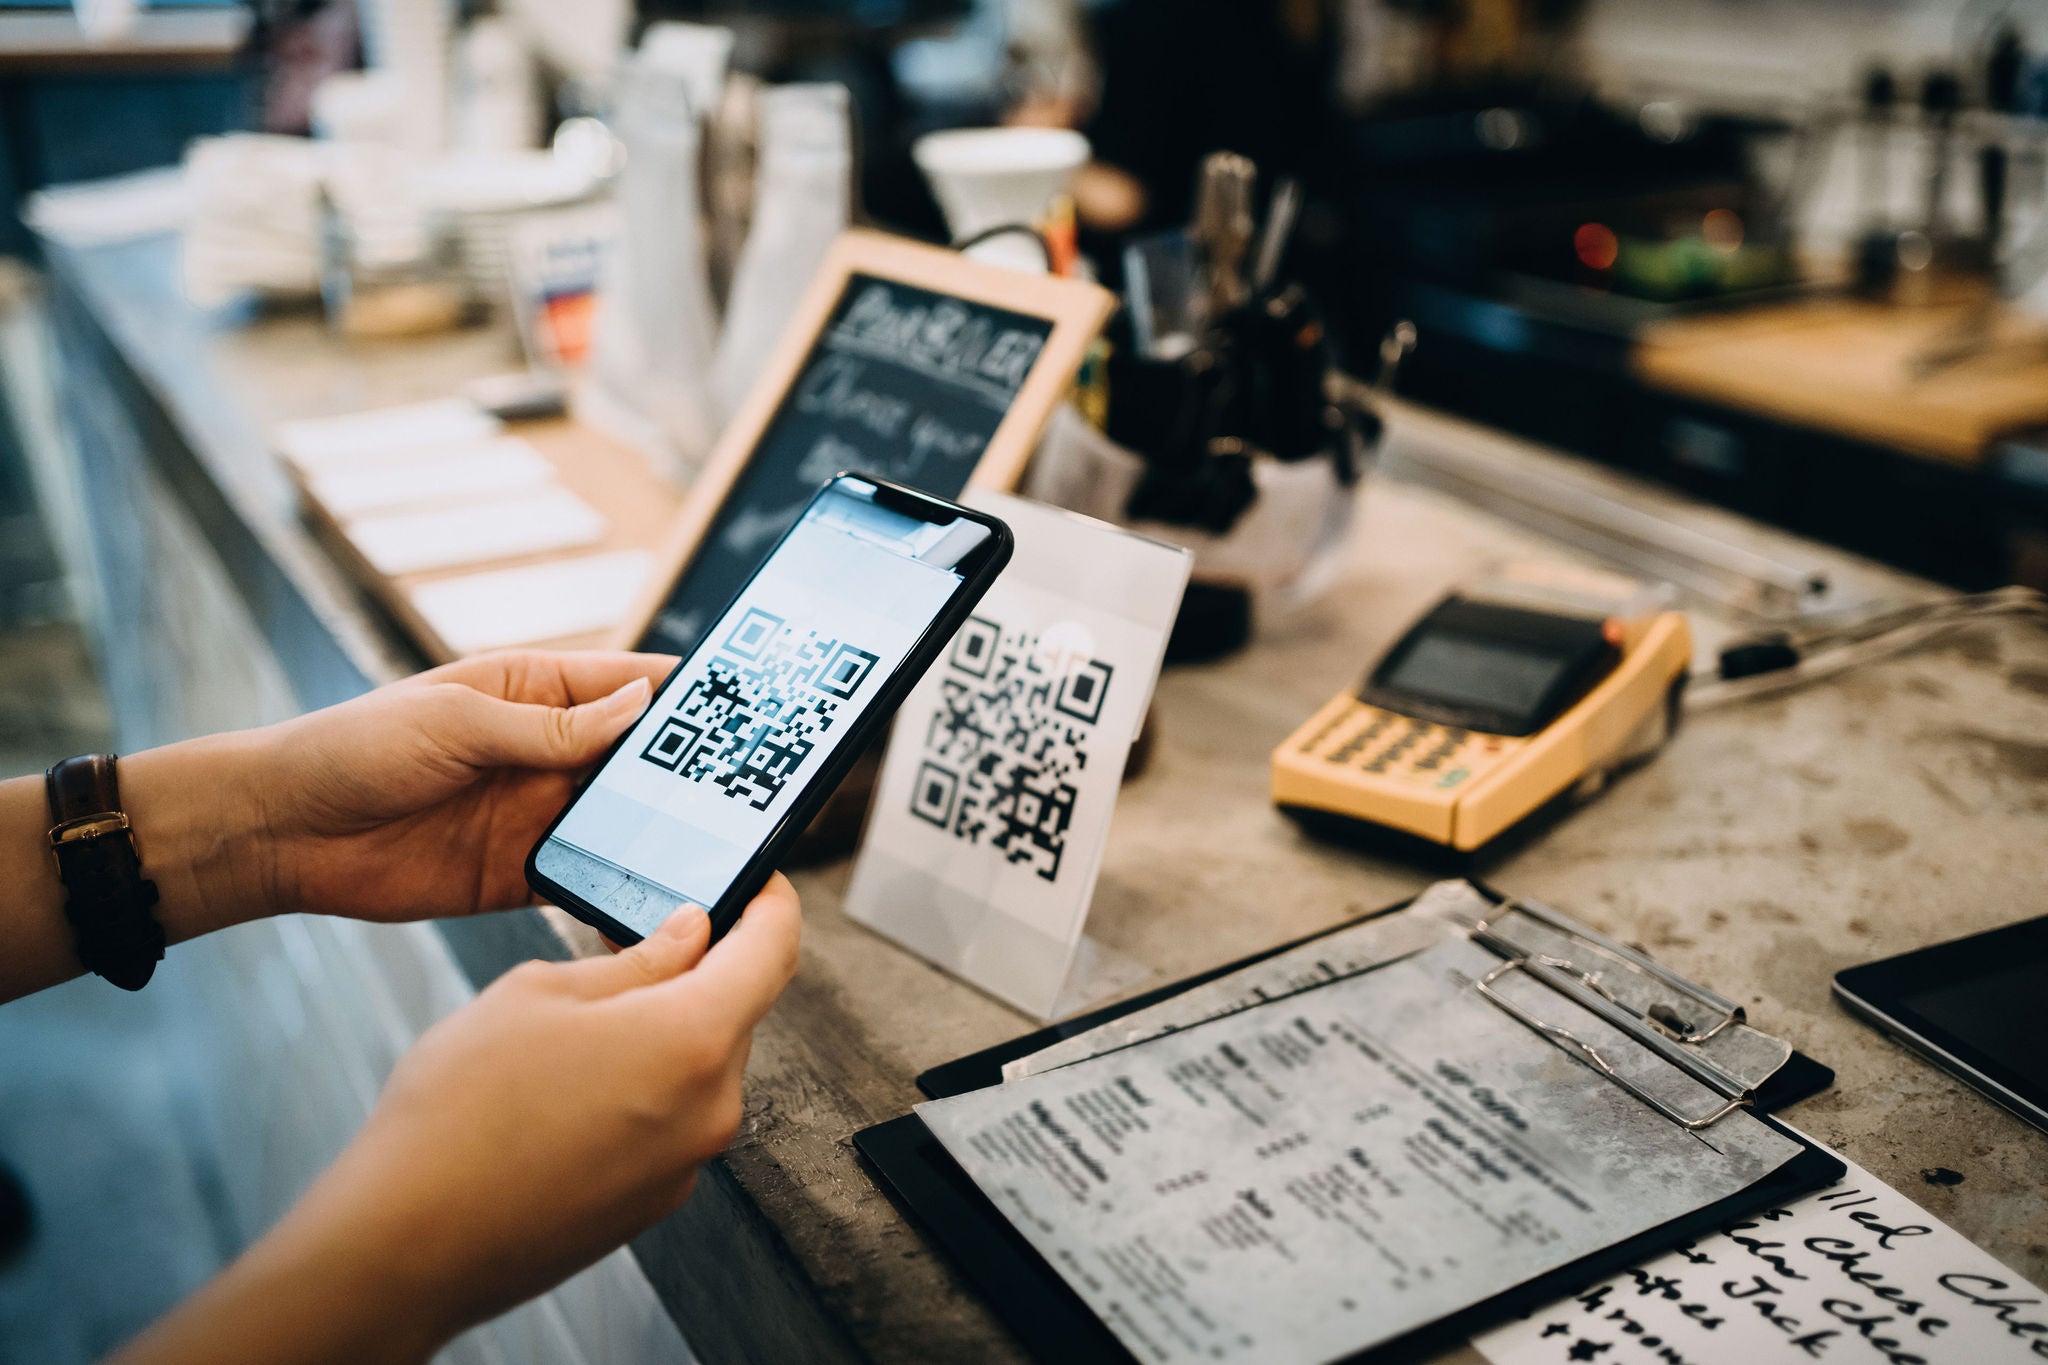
column 755, row 717
column 1009, row 738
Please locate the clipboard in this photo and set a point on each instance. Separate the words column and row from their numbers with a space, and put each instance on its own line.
column 1800, row 1078
column 1053, row 1323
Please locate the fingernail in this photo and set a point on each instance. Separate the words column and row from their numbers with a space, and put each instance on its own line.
column 632, row 696
column 683, row 920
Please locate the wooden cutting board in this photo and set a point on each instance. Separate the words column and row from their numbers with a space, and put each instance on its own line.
column 1847, row 366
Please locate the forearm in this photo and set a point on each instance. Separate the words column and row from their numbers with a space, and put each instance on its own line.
column 310, row 1293
column 200, row 839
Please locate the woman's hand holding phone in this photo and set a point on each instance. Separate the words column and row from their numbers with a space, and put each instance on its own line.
column 565, row 1110
column 416, row 800
column 421, row 799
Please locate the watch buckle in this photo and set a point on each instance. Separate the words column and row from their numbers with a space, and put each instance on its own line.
column 88, row 827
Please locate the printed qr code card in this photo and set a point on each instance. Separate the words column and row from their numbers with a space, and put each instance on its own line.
column 994, row 804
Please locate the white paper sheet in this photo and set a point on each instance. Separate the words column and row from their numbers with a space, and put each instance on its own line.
column 1331, row 1171
column 412, row 542
column 1855, row 1274
column 539, row 602
column 312, row 443
column 995, row 798
column 435, row 474
column 1318, row 962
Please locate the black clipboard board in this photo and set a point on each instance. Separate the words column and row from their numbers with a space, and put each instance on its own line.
column 1053, row 1323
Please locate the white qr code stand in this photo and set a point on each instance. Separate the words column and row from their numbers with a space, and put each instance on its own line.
column 994, row 804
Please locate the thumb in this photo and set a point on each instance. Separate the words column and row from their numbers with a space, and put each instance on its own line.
column 494, row 733
column 668, row 952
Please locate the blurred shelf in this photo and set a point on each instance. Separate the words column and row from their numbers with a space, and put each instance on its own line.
column 42, row 42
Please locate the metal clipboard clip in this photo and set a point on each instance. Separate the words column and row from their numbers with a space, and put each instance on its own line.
column 1660, row 1027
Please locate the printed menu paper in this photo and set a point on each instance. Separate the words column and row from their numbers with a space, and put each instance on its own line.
column 1002, row 773
column 1854, row 1274
column 1319, row 1175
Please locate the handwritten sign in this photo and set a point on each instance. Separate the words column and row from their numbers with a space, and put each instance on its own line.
column 907, row 362
column 1855, row 1274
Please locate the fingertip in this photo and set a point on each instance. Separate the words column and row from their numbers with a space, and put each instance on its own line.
column 675, row 946
column 771, row 927
column 687, row 934
column 629, row 699
column 688, row 922
column 781, row 892
column 583, row 731
column 779, row 889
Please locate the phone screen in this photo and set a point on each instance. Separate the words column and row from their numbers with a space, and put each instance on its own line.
column 780, row 680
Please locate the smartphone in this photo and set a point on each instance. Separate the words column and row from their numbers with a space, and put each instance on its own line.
column 1971, row 1006
column 699, row 800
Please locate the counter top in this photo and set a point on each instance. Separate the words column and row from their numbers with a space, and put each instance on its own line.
column 1771, row 845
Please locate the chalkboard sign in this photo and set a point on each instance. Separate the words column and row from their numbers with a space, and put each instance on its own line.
column 906, row 361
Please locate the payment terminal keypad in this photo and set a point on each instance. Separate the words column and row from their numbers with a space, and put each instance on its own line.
column 1407, row 751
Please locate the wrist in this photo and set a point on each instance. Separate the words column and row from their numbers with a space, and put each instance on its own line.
column 200, row 832
column 196, row 827
column 348, row 1275
column 369, row 1224
column 321, row 1288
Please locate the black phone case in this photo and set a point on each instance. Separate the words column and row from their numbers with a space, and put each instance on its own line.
column 826, row 779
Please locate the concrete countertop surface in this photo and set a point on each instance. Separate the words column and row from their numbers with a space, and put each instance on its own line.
column 1772, row 844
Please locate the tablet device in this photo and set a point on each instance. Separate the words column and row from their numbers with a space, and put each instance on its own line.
column 1971, row 1006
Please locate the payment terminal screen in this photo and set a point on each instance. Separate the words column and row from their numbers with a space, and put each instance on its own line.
column 1467, row 672
column 774, row 688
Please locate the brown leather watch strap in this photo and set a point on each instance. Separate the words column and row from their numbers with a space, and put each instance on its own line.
column 82, row 786
column 110, row 904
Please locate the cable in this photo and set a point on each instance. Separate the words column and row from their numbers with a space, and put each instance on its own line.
column 1824, row 648
column 1004, row 230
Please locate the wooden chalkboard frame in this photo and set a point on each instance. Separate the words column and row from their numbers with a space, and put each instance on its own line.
column 1075, row 309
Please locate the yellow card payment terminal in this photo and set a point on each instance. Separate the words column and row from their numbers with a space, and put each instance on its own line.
column 1501, row 697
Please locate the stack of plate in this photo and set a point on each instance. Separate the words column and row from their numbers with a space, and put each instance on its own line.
column 481, row 196
column 255, row 217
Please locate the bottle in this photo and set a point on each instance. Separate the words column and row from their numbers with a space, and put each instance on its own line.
column 655, row 333
column 802, row 189
column 497, row 98
column 410, row 39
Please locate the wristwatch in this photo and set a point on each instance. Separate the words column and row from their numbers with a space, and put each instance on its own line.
column 110, row 904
